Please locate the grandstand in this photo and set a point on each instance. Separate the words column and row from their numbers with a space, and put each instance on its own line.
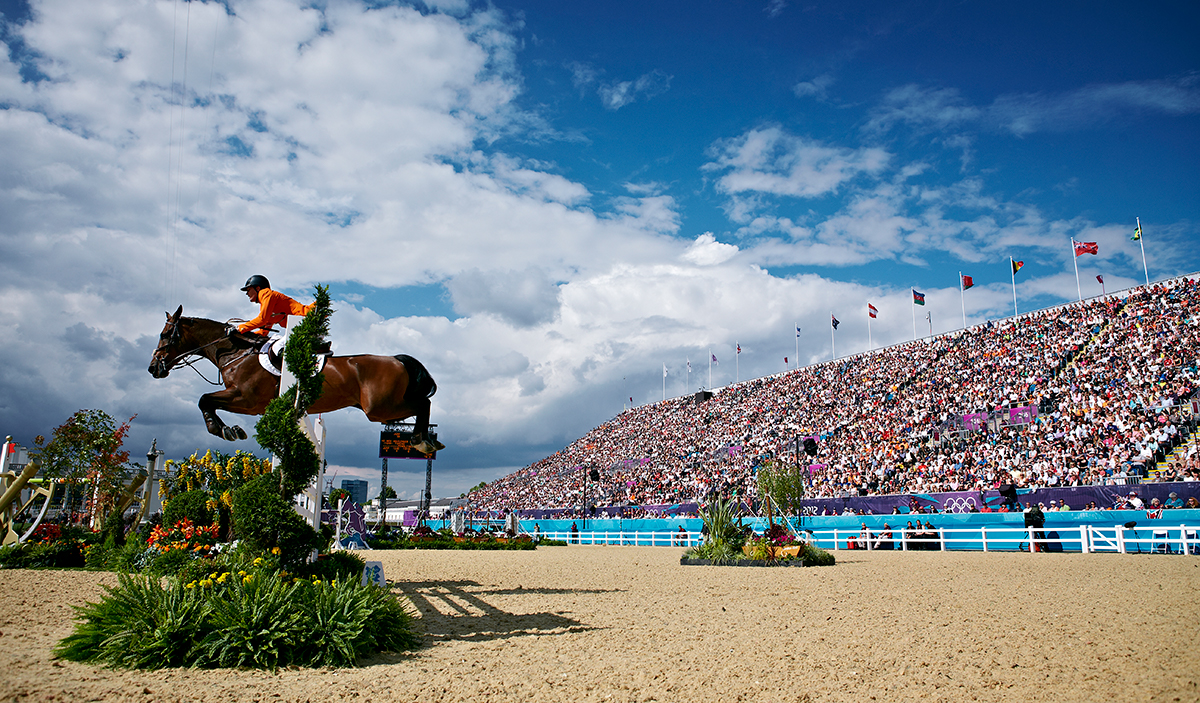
column 1089, row 393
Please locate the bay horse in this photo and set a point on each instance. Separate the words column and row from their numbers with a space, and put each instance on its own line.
column 385, row 388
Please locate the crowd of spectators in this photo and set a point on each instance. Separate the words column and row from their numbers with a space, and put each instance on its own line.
column 1082, row 394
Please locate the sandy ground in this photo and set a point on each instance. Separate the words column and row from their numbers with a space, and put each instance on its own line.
column 601, row 623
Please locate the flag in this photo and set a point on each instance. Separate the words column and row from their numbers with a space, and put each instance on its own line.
column 664, row 370
column 785, row 361
column 967, row 282
column 1100, row 278
column 1082, row 248
column 927, row 317
column 1137, row 233
column 739, row 349
column 797, row 331
column 918, row 298
column 872, row 310
column 714, row 359
column 835, row 321
column 1017, row 266
column 689, row 362
column 631, row 399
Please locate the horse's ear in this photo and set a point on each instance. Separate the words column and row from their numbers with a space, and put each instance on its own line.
column 178, row 312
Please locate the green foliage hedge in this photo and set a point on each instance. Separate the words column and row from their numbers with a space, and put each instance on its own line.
column 192, row 505
column 264, row 521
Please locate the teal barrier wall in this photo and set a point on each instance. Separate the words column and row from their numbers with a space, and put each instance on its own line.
column 1059, row 525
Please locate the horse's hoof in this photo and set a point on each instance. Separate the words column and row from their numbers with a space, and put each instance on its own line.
column 229, row 433
column 241, row 434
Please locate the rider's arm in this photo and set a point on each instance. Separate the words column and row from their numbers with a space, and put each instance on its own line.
column 267, row 302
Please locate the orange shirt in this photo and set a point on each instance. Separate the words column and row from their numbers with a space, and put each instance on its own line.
column 274, row 307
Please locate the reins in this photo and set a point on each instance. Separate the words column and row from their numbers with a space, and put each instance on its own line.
column 185, row 358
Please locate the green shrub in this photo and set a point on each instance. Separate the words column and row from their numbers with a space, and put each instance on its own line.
column 265, row 521
column 240, row 619
column 96, row 556
column 192, row 505
column 170, row 562
column 335, row 565
column 815, row 556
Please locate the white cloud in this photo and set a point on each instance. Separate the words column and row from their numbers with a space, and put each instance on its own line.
column 618, row 94
column 771, row 161
column 707, row 251
column 1021, row 114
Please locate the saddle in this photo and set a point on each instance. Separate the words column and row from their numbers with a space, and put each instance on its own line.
column 270, row 355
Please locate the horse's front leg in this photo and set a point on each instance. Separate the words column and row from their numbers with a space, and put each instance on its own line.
column 209, row 404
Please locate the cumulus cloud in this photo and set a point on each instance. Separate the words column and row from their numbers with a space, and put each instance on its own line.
column 707, row 251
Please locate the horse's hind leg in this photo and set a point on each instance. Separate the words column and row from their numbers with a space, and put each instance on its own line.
column 422, row 442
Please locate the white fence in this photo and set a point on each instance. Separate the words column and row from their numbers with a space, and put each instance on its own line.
column 1181, row 539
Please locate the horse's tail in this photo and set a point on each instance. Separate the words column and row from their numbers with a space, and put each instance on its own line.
column 420, row 383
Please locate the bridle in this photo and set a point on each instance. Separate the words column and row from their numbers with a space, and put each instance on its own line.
column 172, row 336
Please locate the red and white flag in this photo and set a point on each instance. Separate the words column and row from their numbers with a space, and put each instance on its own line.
column 967, row 282
column 1082, row 248
column 872, row 311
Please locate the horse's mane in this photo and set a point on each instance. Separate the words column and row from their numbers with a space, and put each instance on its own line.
column 240, row 341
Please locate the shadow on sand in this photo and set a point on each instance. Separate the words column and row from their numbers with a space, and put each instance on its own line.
column 459, row 610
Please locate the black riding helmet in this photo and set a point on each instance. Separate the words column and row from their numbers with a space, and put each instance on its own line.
column 256, row 281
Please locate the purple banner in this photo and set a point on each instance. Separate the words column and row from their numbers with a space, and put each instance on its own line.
column 1022, row 415
column 974, row 421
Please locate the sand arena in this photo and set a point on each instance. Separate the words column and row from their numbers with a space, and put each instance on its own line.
column 630, row 624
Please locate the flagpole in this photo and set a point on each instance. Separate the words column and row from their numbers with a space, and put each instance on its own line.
column 929, row 318
column 737, row 362
column 1075, row 260
column 832, row 341
column 688, row 385
column 962, row 294
column 1012, row 268
column 870, row 343
column 710, row 358
column 914, row 315
column 1142, row 243
column 664, row 382
column 797, row 345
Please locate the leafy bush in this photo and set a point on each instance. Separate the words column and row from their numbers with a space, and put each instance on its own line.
column 335, row 566
column 256, row 619
column 189, row 505
column 265, row 521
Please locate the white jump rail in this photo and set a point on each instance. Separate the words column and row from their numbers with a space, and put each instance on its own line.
column 1159, row 539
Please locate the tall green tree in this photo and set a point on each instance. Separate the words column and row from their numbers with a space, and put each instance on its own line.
column 88, row 447
column 784, row 484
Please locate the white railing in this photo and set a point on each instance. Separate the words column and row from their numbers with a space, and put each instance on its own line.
column 1181, row 539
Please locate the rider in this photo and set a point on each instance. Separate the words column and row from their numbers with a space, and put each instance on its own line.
column 274, row 307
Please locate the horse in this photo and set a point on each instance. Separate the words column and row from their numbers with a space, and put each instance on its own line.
column 385, row 388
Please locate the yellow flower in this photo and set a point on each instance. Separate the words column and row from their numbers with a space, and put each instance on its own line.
column 257, row 561
column 241, row 572
column 206, row 583
column 275, row 551
column 248, row 578
column 213, row 575
column 191, row 585
column 223, row 578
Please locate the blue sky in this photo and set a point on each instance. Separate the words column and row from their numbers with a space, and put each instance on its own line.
column 547, row 202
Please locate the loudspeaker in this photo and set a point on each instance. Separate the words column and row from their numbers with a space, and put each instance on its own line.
column 702, row 396
column 810, row 446
column 594, row 475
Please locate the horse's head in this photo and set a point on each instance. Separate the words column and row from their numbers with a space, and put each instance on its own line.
column 167, row 352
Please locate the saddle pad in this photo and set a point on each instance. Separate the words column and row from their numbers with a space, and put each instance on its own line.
column 275, row 349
